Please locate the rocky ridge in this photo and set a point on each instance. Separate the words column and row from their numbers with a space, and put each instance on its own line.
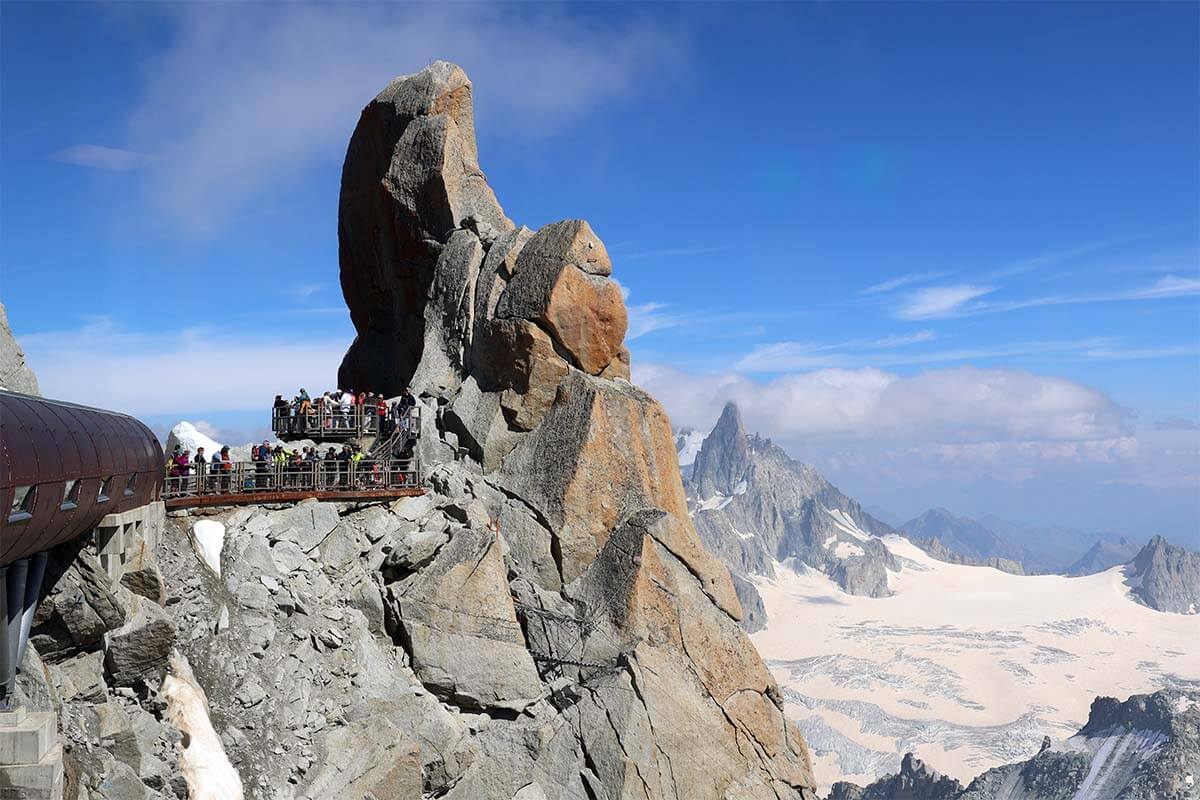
column 962, row 540
column 1104, row 554
column 1145, row 748
column 15, row 374
column 1165, row 577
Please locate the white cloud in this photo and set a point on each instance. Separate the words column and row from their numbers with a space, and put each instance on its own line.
column 958, row 406
column 248, row 96
column 940, row 301
column 195, row 370
column 111, row 159
column 903, row 280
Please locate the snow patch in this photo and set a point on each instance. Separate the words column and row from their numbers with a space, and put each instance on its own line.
column 688, row 444
column 845, row 550
column 208, row 539
column 846, row 524
column 717, row 501
column 743, row 535
column 202, row 759
column 186, row 434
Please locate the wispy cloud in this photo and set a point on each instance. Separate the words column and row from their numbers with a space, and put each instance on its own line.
column 648, row 317
column 302, row 292
column 1050, row 259
column 781, row 357
column 94, row 156
column 903, row 280
column 1140, row 353
column 940, row 301
column 272, row 91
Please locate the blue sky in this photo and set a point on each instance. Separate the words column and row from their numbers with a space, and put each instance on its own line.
column 950, row 254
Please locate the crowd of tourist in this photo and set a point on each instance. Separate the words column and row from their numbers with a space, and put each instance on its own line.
column 343, row 409
column 274, row 466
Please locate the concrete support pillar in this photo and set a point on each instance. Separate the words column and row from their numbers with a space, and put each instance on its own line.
column 31, row 765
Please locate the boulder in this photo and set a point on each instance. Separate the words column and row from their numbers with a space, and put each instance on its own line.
column 561, row 284
column 80, row 604
column 139, row 649
column 459, row 626
column 81, row 678
column 305, row 524
column 145, row 580
column 367, row 758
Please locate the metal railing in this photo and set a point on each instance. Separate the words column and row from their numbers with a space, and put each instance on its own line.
column 331, row 422
column 249, row 477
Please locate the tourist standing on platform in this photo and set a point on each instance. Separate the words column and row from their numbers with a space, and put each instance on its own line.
column 347, row 405
column 381, row 412
column 201, row 464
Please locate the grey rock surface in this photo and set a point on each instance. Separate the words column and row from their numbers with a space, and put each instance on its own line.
column 1143, row 748
column 753, row 505
column 1166, row 577
column 15, row 374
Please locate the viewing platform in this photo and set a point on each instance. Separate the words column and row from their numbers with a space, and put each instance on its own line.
column 325, row 424
column 243, row 482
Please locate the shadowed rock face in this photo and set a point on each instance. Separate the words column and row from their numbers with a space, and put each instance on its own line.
column 574, row 605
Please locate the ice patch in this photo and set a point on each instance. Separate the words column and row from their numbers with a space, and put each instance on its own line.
column 846, row 524
column 743, row 535
column 717, row 501
column 202, row 759
column 688, row 445
column 208, row 539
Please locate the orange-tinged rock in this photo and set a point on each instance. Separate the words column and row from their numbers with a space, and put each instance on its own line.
column 586, row 316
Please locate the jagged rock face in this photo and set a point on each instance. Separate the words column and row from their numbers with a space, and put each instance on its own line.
column 1166, row 577
column 1145, row 748
column 551, row 595
column 753, row 505
column 915, row 781
column 15, row 374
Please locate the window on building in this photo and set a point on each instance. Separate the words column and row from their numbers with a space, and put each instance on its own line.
column 70, row 495
column 105, row 488
column 24, row 498
column 131, row 485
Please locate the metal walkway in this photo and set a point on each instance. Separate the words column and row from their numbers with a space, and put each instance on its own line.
column 245, row 482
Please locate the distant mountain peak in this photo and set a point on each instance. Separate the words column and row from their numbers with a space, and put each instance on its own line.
column 1166, row 577
column 726, row 456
